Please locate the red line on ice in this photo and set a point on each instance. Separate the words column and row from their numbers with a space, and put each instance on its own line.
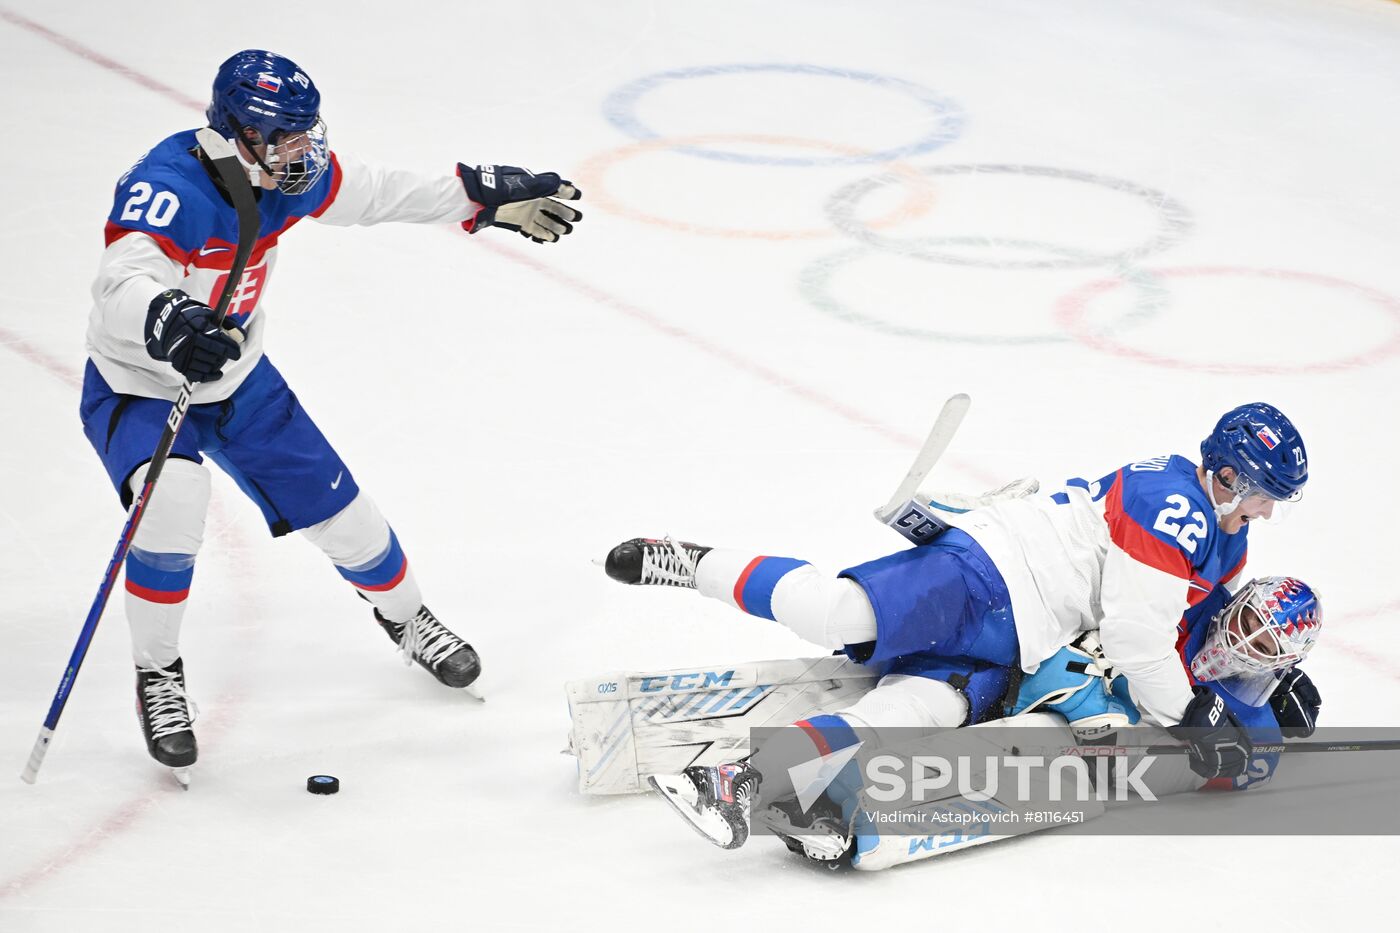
column 97, row 58
column 51, row 364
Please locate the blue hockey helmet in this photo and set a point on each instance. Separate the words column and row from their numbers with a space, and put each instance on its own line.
column 1263, row 448
column 263, row 98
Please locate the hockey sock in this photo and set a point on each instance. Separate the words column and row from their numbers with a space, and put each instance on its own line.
column 387, row 582
column 366, row 552
column 828, row 611
column 831, row 733
column 160, row 563
column 787, row 753
column 157, row 587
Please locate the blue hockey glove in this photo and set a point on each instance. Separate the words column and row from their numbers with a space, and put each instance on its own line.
column 182, row 332
column 519, row 200
column 1219, row 745
column 1296, row 704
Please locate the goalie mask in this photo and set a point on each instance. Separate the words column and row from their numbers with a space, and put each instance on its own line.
column 1269, row 626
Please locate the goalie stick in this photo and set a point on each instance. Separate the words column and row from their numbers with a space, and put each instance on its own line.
column 230, row 172
column 903, row 512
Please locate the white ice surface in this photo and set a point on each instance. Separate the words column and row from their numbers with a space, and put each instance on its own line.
column 517, row 409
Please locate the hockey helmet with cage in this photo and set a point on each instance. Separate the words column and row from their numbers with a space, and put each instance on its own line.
column 1267, row 628
column 1264, row 449
column 263, row 98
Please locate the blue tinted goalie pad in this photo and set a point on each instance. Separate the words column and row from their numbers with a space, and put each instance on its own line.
column 1062, row 683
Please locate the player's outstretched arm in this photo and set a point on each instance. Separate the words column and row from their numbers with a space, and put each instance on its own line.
column 531, row 205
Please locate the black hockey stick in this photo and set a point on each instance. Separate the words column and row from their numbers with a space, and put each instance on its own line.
column 235, row 181
column 1379, row 745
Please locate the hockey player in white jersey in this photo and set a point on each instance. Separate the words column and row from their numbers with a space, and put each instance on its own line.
column 1008, row 586
column 1245, row 649
column 170, row 241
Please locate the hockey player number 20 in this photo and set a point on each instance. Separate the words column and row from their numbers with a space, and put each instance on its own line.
column 162, row 209
column 1177, row 507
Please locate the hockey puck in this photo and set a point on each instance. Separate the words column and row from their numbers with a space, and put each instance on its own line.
column 322, row 784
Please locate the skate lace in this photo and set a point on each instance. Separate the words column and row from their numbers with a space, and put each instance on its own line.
column 169, row 708
column 743, row 795
column 668, row 563
column 428, row 640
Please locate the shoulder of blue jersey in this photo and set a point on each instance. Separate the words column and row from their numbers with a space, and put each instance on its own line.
column 168, row 195
column 1165, row 498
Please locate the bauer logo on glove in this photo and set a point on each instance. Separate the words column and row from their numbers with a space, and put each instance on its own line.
column 516, row 199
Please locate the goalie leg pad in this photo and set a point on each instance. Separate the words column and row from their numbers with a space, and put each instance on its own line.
column 627, row 726
column 876, row 851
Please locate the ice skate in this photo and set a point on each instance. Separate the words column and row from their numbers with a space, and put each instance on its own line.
column 820, row 835
column 434, row 646
column 653, row 561
column 166, row 714
column 713, row 800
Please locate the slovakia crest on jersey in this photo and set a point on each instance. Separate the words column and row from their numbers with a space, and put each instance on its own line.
column 1268, row 436
column 270, row 83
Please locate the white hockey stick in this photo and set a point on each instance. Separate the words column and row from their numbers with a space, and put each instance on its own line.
column 903, row 513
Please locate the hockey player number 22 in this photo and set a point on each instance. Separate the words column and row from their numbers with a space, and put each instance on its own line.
column 1177, row 507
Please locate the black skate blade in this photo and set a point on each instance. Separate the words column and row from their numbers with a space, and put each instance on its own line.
column 471, row 691
column 181, row 776
column 693, row 817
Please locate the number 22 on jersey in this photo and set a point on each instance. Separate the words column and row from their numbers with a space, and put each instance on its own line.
column 1168, row 521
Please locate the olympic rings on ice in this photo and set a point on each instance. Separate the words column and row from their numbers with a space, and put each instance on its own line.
column 1174, row 222
column 948, row 117
column 814, row 282
column 1072, row 309
column 593, row 172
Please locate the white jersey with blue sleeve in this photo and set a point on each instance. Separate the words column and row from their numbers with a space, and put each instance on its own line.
column 1126, row 554
column 171, row 227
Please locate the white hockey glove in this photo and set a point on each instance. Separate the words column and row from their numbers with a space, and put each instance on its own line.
column 519, row 200
column 958, row 502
